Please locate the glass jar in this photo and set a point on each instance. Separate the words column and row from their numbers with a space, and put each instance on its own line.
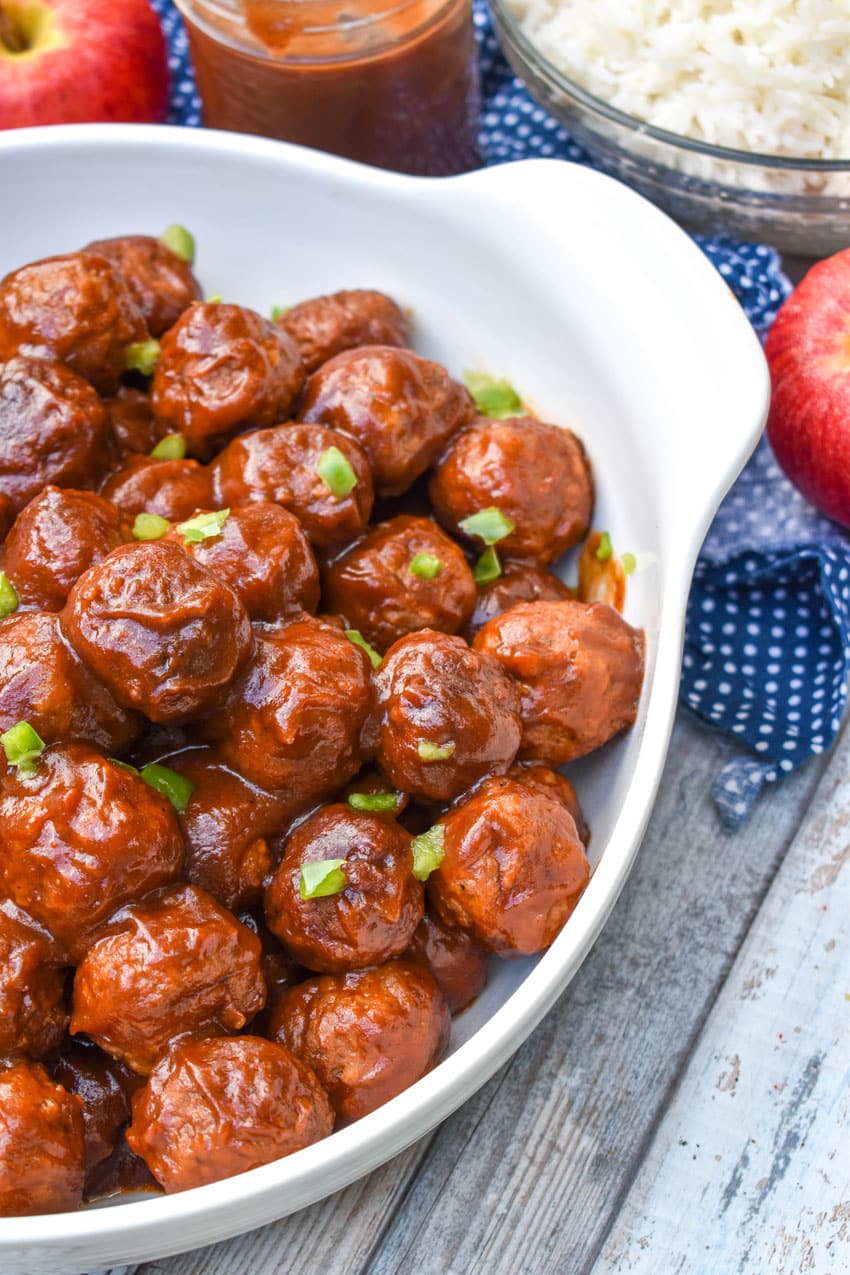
column 392, row 83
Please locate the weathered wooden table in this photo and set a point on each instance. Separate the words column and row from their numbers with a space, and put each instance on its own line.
column 684, row 1108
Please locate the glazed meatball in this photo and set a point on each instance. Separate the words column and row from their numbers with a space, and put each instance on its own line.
column 222, row 366
column 513, row 867
column 368, row 1035
column 42, row 1143
column 263, row 555
column 324, row 326
column 282, row 465
column 176, row 962
column 131, row 419
column 519, row 582
column 372, row 918
column 228, row 827
column 555, row 785
column 164, row 634
column 174, row 489
column 162, row 283
column 402, row 408
column 43, row 682
column 579, row 670
column 55, row 538
column 447, row 717
column 106, row 1087
column 292, row 719
column 32, row 999
column 76, row 309
column 81, row 837
column 458, row 963
column 403, row 576
column 53, row 429
column 537, row 475
column 213, row 1108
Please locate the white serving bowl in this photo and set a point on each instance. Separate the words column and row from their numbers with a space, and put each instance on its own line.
column 608, row 318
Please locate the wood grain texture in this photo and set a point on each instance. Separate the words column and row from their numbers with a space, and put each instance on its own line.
column 750, row 1169
column 335, row 1235
column 528, row 1176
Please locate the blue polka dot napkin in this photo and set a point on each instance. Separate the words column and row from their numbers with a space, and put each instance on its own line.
column 767, row 646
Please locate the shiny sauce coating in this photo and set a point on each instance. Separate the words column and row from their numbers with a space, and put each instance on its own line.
column 276, row 768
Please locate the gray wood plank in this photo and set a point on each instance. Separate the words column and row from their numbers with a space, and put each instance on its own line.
column 526, row 1176
column 335, row 1235
column 750, row 1168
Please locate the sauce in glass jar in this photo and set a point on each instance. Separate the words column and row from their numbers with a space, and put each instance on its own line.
column 392, row 83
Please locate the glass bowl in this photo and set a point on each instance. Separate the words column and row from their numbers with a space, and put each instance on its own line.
column 800, row 206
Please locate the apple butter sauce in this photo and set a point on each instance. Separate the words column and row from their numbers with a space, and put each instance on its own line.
column 392, row 83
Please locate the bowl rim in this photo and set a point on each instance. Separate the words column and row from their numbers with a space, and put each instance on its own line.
column 148, row 1226
column 508, row 26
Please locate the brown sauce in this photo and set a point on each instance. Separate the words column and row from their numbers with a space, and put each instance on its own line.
column 123, row 1173
column 393, row 84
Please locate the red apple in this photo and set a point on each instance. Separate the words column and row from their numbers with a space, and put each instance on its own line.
column 80, row 61
column 808, row 350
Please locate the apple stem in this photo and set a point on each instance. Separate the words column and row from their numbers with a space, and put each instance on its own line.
column 9, row 35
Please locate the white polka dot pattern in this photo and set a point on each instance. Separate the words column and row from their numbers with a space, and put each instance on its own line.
column 185, row 106
column 767, row 644
column 767, row 649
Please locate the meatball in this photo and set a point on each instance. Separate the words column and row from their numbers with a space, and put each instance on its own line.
column 579, row 669
column 368, row 1035
column 174, row 489
column 263, row 555
column 447, row 716
column 56, row 537
column 282, row 465
column 42, row 1155
column 223, row 367
column 555, row 785
column 43, row 682
column 213, row 1108
column 53, row 429
column 519, row 582
column 176, row 962
column 372, row 918
column 81, row 837
column 458, row 963
column 536, row 474
column 513, row 867
column 402, row 408
column 228, row 826
column 32, row 990
column 292, row 719
column 324, row 326
column 162, row 283
column 403, row 576
column 106, row 1087
column 76, row 309
column 131, row 418
column 163, row 634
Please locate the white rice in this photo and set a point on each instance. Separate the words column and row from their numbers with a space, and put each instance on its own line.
column 766, row 76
